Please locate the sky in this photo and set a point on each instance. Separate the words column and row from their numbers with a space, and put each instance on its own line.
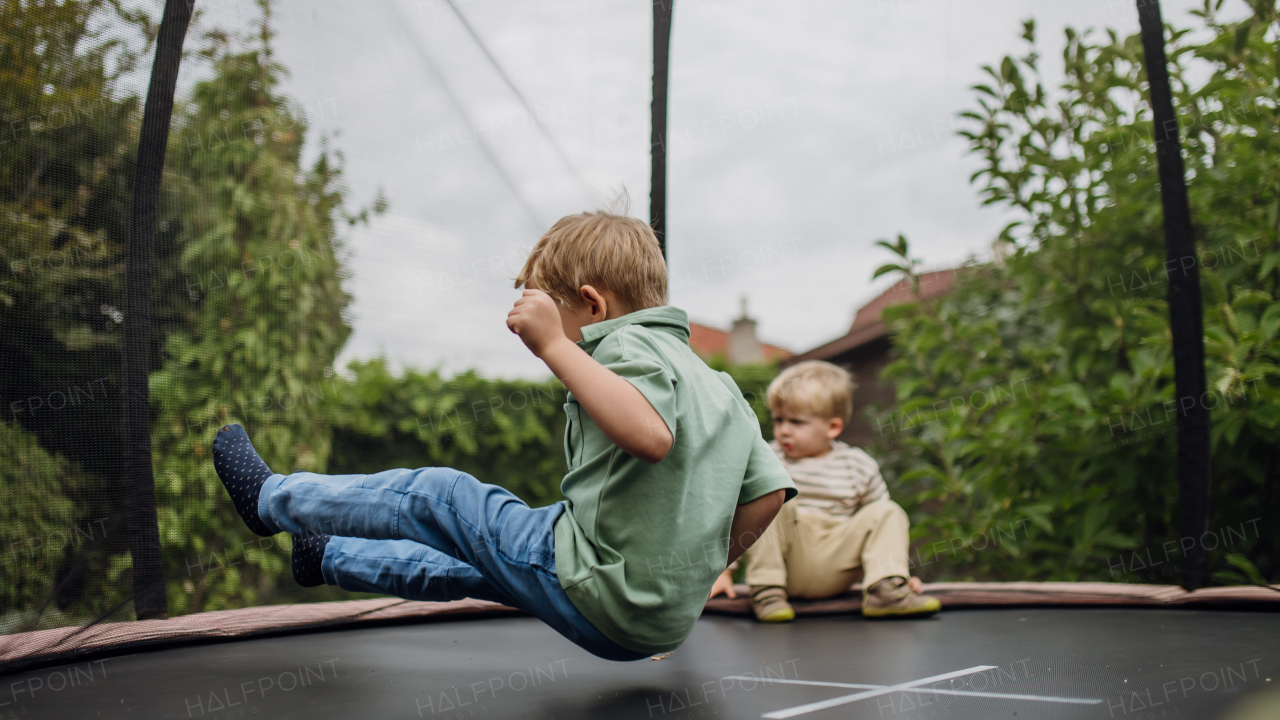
column 800, row 132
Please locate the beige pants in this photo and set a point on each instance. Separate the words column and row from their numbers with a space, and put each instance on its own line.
column 815, row 555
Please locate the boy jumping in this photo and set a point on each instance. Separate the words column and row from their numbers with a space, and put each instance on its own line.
column 669, row 479
column 841, row 521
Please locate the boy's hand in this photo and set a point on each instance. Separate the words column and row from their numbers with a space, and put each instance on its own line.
column 916, row 585
column 723, row 584
column 536, row 320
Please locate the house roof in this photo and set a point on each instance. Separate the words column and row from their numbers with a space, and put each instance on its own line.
column 707, row 341
column 867, row 323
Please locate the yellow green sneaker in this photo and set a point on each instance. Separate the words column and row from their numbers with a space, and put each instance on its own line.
column 769, row 603
column 892, row 597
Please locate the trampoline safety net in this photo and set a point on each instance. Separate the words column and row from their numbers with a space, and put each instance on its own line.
column 306, row 216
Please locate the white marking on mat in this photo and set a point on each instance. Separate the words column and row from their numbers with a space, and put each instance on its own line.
column 844, row 700
column 935, row 691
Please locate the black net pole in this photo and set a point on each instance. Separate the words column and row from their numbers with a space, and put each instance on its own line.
column 658, row 121
column 138, row 481
column 1186, row 315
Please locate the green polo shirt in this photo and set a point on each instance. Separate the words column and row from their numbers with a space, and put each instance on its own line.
column 640, row 544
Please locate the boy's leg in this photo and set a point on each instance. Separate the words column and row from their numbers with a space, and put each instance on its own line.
column 766, row 574
column 766, row 558
column 507, row 543
column 422, row 505
column 877, row 539
column 887, row 591
column 829, row 551
column 816, row 567
column 406, row 569
column 443, row 508
column 885, row 532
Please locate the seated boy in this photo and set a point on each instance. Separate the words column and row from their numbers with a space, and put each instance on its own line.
column 841, row 521
column 668, row 474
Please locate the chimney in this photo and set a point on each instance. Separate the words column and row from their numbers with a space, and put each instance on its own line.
column 743, row 345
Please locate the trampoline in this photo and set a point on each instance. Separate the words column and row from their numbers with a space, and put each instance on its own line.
column 979, row 662
column 132, row 336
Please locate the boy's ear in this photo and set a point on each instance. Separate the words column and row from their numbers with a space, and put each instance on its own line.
column 835, row 426
column 595, row 301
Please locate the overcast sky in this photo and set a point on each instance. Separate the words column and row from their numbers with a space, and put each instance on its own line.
column 801, row 131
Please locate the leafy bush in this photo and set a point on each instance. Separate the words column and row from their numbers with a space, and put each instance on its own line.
column 65, row 179
column 1038, row 395
column 40, row 526
column 259, row 234
column 504, row 432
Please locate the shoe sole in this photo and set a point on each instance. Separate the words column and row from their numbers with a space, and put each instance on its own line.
column 921, row 612
column 779, row 616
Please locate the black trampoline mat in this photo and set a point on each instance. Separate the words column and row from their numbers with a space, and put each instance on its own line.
column 1007, row 663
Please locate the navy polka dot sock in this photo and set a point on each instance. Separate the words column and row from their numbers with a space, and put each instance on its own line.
column 307, row 553
column 242, row 472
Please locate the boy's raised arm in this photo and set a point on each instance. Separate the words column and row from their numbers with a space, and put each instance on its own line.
column 617, row 407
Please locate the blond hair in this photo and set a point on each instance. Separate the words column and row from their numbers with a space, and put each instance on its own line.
column 815, row 387
column 603, row 249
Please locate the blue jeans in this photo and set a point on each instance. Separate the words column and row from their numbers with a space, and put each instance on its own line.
column 434, row 534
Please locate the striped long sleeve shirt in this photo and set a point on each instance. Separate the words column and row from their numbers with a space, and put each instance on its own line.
column 836, row 484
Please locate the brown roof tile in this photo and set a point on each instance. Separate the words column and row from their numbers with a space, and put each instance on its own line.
column 867, row 323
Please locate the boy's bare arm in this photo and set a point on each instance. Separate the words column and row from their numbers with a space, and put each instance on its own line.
column 751, row 520
column 617, row 407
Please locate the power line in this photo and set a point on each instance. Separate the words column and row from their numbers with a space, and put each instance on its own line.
column 564, row 157
column 461, row 110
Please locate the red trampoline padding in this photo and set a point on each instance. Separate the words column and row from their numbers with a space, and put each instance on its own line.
column 22, row 651
column 992, row 594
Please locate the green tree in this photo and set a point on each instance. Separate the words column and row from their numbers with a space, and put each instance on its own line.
column 66, row 162
column 40, row 525
column 260, row 252
column 1039, row 393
